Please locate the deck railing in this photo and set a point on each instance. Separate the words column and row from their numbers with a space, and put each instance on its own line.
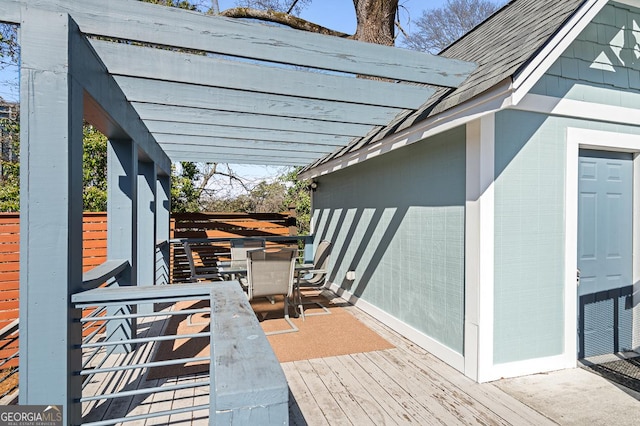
column 245, row 382
column 9, row 361
column 113, row 368
column 112, row 316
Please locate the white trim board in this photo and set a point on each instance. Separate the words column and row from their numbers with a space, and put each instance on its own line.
column 531, row 366
column 602, row 140
column 578, row 109
column 503, row 95
column 491, row 101
column 479, row 248
column 434, row 347
column 542, row 61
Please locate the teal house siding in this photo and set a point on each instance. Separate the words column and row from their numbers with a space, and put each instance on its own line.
column 529, row 237
column 398, row 222
column 530, row 158
column 601, row 65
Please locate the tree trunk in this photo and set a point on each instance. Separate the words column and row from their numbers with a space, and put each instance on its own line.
column 376, row 21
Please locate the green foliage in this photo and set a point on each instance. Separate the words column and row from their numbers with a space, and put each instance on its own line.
column 185, row 196
column 94, row 170
column 9, row 47
column 10, row 188
column 298, row 195
column 9, row 164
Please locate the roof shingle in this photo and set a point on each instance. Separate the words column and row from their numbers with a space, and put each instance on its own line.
column 501, row 46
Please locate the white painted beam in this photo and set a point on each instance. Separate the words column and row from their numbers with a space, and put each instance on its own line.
column 10, row 11
column 235, row 159
column 288, row 154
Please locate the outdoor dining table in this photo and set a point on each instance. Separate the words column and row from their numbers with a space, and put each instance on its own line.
column 239, row 267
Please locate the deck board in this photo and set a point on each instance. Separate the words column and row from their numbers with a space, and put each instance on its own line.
column 398, row 386
column 369, row 401
column 351, row 405
column 392, row 399
column 303, row 399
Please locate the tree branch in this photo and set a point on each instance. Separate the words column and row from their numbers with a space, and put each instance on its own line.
column 399, row 27
column 281, row 18
column 292, row 6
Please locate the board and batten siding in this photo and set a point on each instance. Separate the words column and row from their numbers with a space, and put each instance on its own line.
column 398, row 222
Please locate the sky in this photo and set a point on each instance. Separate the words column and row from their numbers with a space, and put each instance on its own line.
column 337, row 15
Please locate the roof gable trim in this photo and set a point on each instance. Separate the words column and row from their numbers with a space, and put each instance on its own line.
column 539, row 64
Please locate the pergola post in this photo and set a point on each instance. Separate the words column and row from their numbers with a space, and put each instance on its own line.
column 51, row 214
column 163, row 208
column 122, row 206
column 146, row 220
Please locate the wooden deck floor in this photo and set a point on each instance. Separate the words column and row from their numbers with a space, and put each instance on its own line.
column 403, row 385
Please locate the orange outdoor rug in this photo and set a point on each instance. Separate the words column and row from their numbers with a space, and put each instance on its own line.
column 319, row 336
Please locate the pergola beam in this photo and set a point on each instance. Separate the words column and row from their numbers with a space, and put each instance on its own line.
column 172, row 93
column 206, row 131
column 10, row 11
column 248, row 148
column 180, row 115
column 107, row 107
column 256, row 159
column 175, row 27
column 160, row 64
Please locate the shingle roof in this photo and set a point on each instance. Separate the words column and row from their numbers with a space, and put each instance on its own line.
column 501, row 46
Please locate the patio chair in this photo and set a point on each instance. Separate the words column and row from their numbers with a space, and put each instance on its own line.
column 315, row 277
column 201, row 272
column 239, row 248
column 270, row 272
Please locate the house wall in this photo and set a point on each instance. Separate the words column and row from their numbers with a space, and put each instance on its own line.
column 398, row 222
column 602, row 64
column 529, row 237
column 599, row 67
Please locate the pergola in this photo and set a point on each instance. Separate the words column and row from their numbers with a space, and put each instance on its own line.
column 167, row 85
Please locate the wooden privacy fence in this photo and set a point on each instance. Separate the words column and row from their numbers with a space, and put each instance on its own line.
column 94, row 253
column 183, row 225
column 222, row 225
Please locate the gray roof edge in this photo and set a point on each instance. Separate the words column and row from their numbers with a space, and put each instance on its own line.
column 549, row 40
column 438, row 105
